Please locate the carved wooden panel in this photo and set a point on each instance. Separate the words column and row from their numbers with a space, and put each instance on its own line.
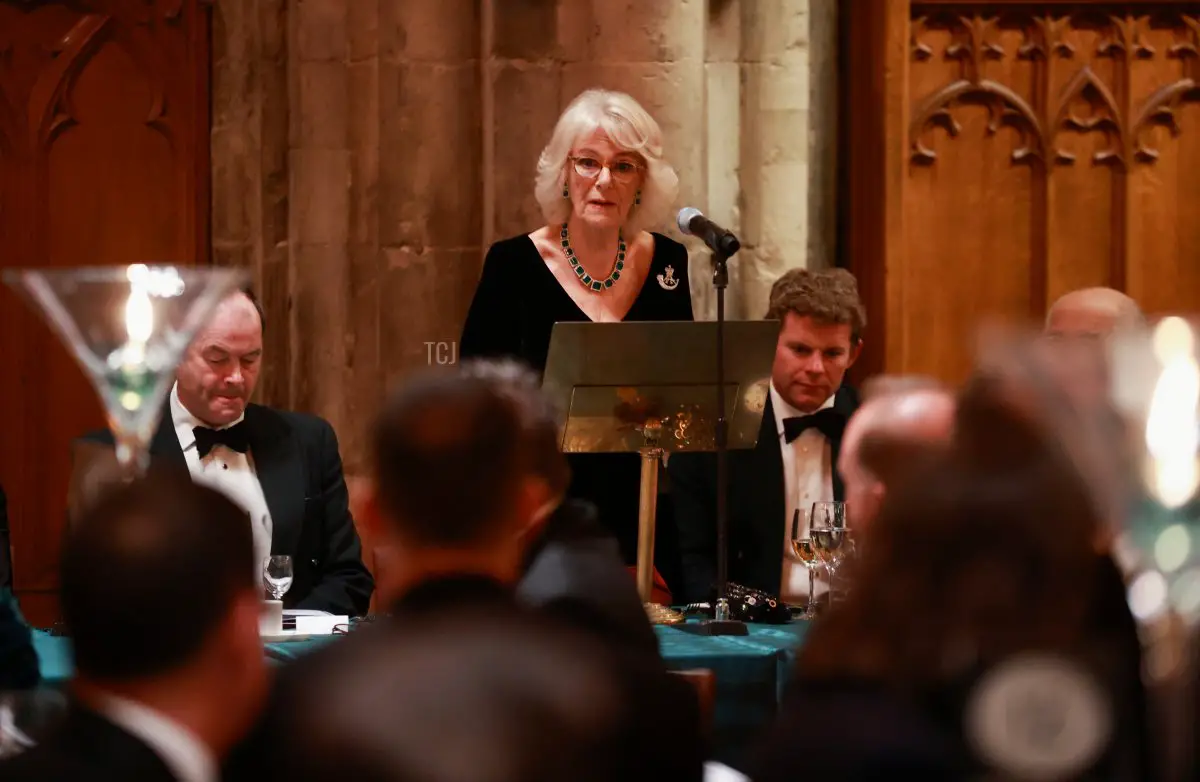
column 1034, row 148
column 103, row 160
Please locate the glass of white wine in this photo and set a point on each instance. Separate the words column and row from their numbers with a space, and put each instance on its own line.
column 805, row 550
column 277, row 572
column 830, row 535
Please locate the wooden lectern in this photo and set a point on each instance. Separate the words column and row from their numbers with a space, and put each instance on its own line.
column 650, row 388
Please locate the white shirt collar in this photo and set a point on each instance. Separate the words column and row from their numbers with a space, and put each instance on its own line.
column 185, row 422
column 784, row 409
column 188, row 759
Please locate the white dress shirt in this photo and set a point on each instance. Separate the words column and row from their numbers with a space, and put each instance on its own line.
column 187, row 758
column 807, row 478
column 227, row 471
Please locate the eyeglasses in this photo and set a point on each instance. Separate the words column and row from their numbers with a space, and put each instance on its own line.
column 621, row 171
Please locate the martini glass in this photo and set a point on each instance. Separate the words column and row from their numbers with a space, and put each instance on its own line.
column 128, row 327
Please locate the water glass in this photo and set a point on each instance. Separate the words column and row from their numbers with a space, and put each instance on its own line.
column 277, row 573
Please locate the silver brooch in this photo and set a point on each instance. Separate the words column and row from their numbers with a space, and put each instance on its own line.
column 667, row 280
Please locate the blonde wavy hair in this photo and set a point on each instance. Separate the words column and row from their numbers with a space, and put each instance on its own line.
column 632, row 129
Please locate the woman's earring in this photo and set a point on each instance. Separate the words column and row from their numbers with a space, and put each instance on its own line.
column 637, row 197
column 565, row 193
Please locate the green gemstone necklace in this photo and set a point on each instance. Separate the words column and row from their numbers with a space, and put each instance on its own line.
column 588, row 281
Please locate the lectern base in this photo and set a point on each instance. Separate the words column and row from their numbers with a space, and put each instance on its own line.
column 661, row 615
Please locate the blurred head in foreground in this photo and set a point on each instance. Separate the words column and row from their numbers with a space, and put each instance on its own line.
column 986, row 552
column 159, row 593
column 1092, row 314
column 1076, row 338
column 463, row 699
column 899, row 427
column 465, row 462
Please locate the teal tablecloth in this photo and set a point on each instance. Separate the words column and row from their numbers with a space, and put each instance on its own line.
column 751, row 672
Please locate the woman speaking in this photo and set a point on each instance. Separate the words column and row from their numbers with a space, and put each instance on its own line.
column 602, row 183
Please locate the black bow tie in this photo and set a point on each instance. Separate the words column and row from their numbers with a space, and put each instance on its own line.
column 235, row 437
column 828, row 421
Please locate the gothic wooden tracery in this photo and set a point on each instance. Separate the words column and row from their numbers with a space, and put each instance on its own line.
column 1026, row 149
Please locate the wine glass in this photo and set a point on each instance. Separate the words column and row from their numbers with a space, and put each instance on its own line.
column 806, row 551
column 829, row 533
column 277, row 571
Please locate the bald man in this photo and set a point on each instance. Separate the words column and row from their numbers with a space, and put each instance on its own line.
column 1092, row 313
column 282, row 468
column 886, row 438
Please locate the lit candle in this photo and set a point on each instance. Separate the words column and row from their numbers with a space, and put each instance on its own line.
column 139, row 325
column 1171, row 421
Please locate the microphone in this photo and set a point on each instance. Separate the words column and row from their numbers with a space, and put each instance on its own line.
column 693, row 223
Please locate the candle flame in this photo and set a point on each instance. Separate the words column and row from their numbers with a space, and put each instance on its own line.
column 139, row 315
column 1172, row 427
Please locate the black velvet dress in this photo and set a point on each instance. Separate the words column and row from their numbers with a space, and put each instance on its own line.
column 516, row 305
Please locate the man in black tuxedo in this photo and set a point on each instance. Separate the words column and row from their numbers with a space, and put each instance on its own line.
column 282, row 467
column 461, row 480
column 794, row 461
column 163, row 608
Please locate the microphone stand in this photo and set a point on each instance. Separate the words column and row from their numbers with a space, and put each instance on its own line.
column 721, row 624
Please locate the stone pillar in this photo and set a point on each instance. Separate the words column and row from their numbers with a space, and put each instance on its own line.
column 522, row 84
column 319, row 240
column 823, row 149
column 722, row 147
column 430, row 194
column 249, row 146
column 785, row 179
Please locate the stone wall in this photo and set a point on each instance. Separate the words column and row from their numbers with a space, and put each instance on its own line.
column 366, row 152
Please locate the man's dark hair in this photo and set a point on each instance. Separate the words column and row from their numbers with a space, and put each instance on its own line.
column 450, row 450
column 538, row 411
column 149, row 572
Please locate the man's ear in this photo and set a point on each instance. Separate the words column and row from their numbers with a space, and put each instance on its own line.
column 537, row 501
column 855, row 351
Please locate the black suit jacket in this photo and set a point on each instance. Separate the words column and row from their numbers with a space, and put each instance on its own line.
column 87, row 748
column 575, row 572
column 298, row 465
column 756, row 508
column 661, row 739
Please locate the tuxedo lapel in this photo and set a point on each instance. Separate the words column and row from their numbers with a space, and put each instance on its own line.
column 767, row 480
column 279, row 466
column 757, row 506
column 846, row 403
column 164, row 446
